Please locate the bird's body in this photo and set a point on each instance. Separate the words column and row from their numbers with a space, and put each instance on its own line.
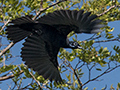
column 47, row 35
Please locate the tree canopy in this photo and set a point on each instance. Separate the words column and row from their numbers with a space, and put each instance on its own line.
column 79, row 67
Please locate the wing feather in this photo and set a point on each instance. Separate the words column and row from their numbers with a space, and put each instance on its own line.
column 77, row 21
column 36, row 56
column 15, row 32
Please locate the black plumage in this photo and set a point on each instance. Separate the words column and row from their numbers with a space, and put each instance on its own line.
column 46, row 35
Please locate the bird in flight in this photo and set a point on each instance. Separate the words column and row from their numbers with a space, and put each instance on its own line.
column 46, row 35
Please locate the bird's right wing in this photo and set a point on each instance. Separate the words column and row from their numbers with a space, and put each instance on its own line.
column 37, row 57
column 78, row 21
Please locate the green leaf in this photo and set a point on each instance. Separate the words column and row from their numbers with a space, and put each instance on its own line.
column 86, row 88
column 7, row 68
column 69, row 77
column 118, row 86
column 98, row 69
column 100, row 50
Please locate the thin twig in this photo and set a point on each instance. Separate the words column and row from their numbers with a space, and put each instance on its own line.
column 91, row 38
column 4, row 25
column 7, row 48
column 105, row 72
column 108, row 10
column 41, row 4
column 10, row 76
column 89, row 69
column 77, row 77
column 35, row 80
column 64, row 62
column 115, row 39
column 80, row 66
column 77, row 64
column 3, row 60
column 24, row 88
column 6, row 74
column 40, row 11
column 75, row 74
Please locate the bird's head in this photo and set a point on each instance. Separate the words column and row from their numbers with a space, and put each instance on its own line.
column 74, row 45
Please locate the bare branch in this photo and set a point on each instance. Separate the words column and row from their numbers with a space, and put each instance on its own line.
column 91, row 38
column 24, row 88
column 115, row 39
column 89, row 70
column 7, row 48
column 108, row 10
column 10, row 76
column 78, row 63
column 4, row 25
column 75, row 75
column 3, row 60
column 67, row 63
column 79, row 66
column 105, row 72
column 35, row 80
column 65, row 67
column 41, row 4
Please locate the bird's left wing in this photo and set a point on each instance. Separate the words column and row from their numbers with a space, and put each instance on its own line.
column 72, row 20
column 37, row 55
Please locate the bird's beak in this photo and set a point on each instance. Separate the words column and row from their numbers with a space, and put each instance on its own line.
column 79, row 47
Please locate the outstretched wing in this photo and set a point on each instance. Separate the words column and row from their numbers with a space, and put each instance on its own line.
column 72, row 20
column 38, row 55
column 17, row 31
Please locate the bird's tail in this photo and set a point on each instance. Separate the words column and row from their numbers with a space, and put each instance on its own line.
column 15, row 31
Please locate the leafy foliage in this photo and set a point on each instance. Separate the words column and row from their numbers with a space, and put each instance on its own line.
column 93, row 56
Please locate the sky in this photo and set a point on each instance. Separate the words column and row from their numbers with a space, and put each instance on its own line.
column 108, row 79
column 112, row 77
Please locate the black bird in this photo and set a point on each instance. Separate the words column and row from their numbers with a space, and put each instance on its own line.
column 47, row 35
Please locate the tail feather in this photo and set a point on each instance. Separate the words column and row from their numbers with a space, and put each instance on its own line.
column 15, row 32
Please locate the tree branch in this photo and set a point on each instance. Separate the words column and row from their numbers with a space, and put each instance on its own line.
column 80, row 83
column 4, row 25
column 36, row 80
column 93, row 38
column 77, row 77
column 115, row 39
column 10, row 76
column 42, row 10
column 105, row 72
column 108, row 10
column 7, row 48
column 79, row 66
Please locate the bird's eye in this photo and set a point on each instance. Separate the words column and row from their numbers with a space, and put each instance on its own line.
column 75, row 44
